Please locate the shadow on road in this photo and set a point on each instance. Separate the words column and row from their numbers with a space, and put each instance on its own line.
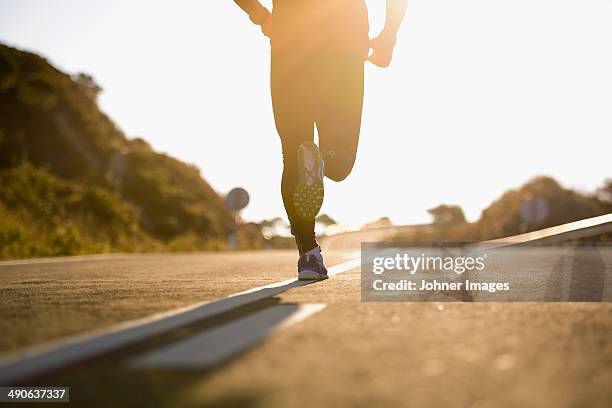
column 157, row 371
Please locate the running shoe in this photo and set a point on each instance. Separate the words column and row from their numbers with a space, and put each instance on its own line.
column 308, row 195
column 311, row 267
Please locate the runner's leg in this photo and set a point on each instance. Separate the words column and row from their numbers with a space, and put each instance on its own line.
column 291, row 88
column 339, row 102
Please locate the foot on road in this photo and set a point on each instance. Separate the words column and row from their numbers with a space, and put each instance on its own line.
column 311, row 267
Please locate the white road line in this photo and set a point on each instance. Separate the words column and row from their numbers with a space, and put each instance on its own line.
column 38, row 360
column 212, row 347
column 76, row 258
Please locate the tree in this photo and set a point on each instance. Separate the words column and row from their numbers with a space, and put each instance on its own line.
column 88, row 84
column 540, row 203
column 447, row 214
column 604, row 193
column 325, row 220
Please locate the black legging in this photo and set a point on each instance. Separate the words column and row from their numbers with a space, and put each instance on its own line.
column 325, row 89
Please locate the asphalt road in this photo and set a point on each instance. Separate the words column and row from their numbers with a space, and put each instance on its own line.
column 347, row 353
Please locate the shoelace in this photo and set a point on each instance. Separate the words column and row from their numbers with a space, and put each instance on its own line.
column 310, row 172
column 327, row 153
column 324, row 156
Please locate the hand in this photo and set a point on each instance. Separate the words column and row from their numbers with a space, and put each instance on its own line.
column 382, row 50
column 266, row 26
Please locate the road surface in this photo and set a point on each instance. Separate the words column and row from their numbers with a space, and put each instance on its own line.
column 344, row 353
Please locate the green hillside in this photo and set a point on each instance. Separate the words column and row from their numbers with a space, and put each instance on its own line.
column 72, row 182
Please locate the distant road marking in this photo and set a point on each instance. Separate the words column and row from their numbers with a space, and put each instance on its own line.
column 212, row 347
column 38, row 360
column 78, row 258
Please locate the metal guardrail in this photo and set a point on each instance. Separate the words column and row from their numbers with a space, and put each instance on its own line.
column 565, row 232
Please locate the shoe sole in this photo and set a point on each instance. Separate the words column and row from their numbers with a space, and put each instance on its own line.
column 311, row 275
column 309, row 193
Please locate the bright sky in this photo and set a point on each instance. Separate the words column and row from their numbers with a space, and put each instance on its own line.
column 482, row 95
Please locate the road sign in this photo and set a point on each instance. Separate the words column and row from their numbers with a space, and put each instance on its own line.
column 236, row 199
